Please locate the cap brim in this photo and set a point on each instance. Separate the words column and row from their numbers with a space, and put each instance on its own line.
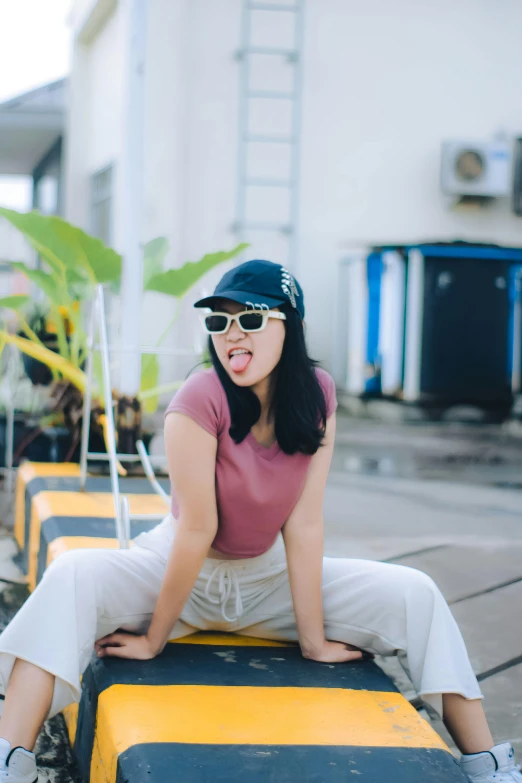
column 241, row 297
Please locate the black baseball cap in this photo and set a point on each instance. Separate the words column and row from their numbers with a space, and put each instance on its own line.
column 259, row 284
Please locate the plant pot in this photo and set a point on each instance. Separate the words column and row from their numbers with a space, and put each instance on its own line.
column 39, row 373
column 53, row 444
column 50, row 445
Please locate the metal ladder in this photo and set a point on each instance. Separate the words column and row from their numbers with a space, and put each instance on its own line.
column 247, row 98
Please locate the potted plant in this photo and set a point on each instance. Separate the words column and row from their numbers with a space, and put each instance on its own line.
column 37, row 320
column 27, row 402
column 74, row 263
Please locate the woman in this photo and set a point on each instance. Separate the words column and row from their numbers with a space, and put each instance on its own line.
column 249, row 445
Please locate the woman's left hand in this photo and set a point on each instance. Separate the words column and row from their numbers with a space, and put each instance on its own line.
column 335, row 652
column 125, row 645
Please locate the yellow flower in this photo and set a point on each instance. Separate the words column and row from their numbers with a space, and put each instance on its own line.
column 67, row 322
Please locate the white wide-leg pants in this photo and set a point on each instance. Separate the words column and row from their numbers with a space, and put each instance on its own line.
column 86, row 594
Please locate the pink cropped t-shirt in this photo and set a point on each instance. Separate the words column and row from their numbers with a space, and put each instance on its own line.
column 256, row 487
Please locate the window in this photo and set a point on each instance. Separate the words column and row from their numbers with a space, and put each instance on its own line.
column 102, row 227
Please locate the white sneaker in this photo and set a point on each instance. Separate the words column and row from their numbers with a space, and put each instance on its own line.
column 20, row 767
column 494, row 766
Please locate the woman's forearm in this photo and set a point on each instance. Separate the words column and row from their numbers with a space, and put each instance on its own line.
column 186, row 558
column 304, row 553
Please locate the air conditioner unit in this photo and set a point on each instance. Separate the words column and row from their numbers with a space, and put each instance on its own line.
column 476, row 168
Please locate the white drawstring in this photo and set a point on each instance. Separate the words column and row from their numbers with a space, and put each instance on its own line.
column 227, row 581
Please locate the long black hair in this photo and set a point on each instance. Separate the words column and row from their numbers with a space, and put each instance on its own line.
column 298, row 402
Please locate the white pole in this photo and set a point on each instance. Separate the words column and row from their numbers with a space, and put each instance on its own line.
column 516, row 377
column 87, row 397
column 9, row 446
column 149, row 472
column 414, row 316
column 132, row 197
column 109, row 413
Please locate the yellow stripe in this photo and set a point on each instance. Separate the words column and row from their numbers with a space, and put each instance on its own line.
column 93, row 504
column 243, row 715
column 85, row 504
column 19, row 523
column 26, row 473
column 67, row 543
column 70, row 714
column 36, row 469
column 229, row 639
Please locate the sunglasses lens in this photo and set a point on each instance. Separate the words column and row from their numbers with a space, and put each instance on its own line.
column 215, row 323
column 251, row 322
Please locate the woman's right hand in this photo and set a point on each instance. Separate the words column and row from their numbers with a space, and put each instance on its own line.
column 125, row 645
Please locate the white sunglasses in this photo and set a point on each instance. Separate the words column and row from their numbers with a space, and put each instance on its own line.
column 248, row 320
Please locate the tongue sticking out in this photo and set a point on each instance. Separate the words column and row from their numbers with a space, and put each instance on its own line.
column 240, row 361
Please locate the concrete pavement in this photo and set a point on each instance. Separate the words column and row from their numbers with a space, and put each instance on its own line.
column 445, row 498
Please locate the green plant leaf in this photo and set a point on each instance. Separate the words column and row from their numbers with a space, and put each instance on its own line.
column 49, row 283
column 154, row 254
column 15, row 302
column 51, row 359
column 58, row 321
column 157, row 390
column 65, row 246
column 150, row 370
column 176, row 282
column 105, row 262
column 34, row 231
column 97, row 376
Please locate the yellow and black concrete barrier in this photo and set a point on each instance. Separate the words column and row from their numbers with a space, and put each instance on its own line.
column 219, row 708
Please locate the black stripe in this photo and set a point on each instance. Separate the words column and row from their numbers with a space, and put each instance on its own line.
column 93, row 527
column 128, row 485
column 84, row 738
column 192, row 763
column 202, row 664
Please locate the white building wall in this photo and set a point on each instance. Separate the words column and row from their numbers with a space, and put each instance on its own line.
column 190, row 153
column 383, row 84
column 95, row 123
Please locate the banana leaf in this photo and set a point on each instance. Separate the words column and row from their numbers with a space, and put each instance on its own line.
column 14, row 302
column 52, row 360
column 154, row 254
column 65, row 246
column 163, row 389
column 50, row 283
column 176, row 282
column 150, row 370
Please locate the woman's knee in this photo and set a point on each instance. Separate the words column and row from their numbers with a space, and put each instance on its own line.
column 405, row 584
